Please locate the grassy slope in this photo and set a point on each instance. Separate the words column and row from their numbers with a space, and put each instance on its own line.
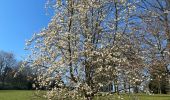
column 28, row 95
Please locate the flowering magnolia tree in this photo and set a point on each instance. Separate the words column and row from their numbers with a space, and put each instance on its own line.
column 87, row 44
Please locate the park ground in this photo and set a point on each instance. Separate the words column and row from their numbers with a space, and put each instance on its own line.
column 29, row 95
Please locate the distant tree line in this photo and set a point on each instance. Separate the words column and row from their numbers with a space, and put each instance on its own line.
column 10, row 75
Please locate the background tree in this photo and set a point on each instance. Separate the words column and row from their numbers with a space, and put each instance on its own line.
column 7, row 61
column 9, row 67
column 153, row 16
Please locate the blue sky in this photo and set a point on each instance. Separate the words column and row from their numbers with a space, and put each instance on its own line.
column 19, row 19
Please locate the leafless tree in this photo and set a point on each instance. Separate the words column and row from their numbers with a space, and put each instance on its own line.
column 7, row 61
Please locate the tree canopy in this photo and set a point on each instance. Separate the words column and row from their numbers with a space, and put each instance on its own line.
column 94, row 43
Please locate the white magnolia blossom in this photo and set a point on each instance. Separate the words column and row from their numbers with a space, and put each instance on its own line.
column 84, row 48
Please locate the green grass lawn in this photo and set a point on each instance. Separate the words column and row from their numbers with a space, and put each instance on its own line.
column 28, row 95
column 135, row 97
column 15, row 95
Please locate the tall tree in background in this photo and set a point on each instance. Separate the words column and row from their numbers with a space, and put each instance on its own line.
column 154, row 30
column 7, row 61
column 9, row 67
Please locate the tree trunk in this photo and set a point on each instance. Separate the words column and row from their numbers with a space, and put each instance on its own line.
column 88, row 98
column 129, row 88
column 167, row 31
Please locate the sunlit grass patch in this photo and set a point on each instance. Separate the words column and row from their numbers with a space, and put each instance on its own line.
column 30, row 95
